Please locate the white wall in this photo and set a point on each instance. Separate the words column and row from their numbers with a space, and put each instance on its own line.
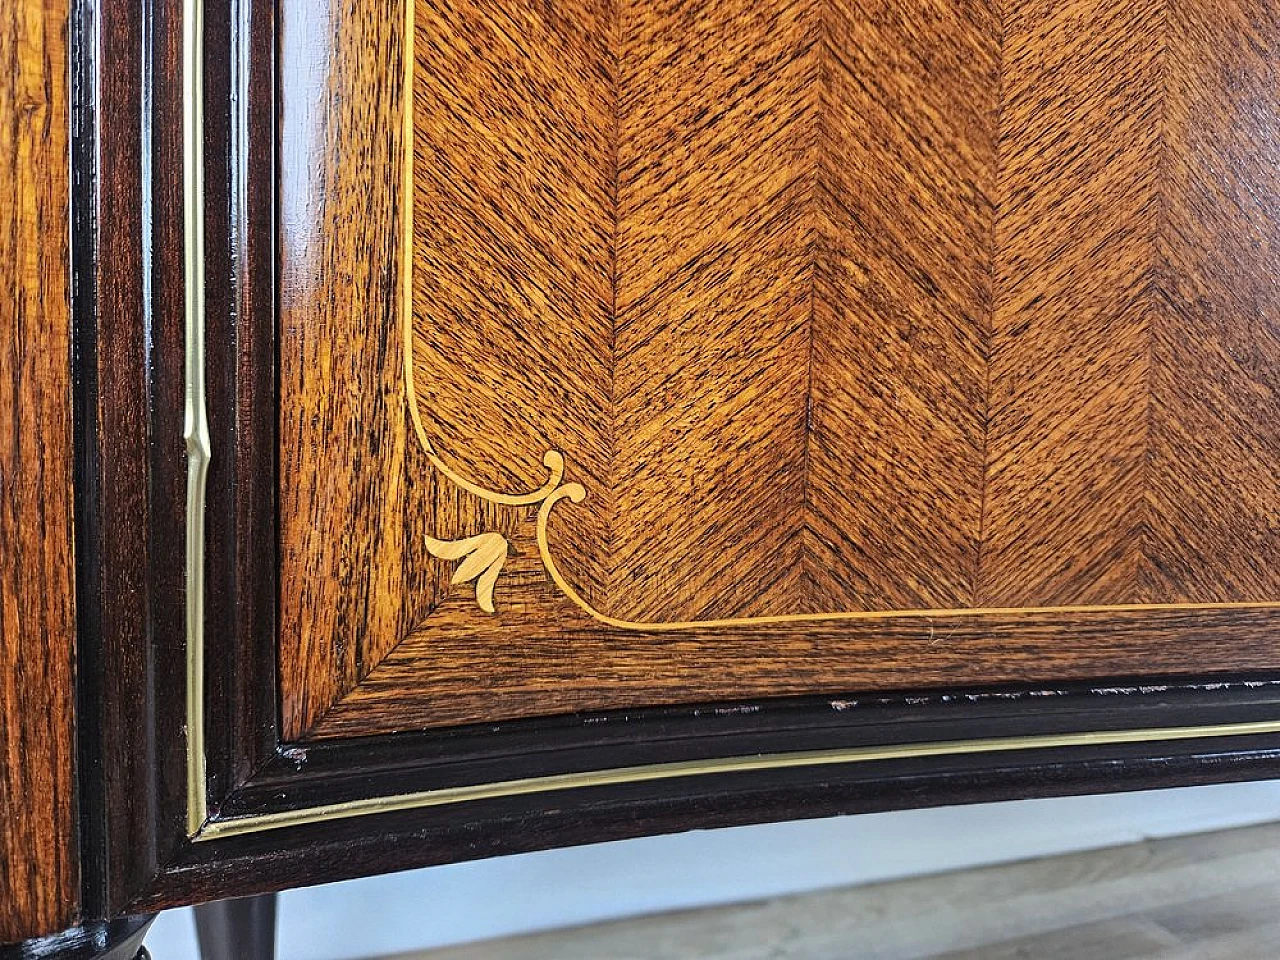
column 519, row 894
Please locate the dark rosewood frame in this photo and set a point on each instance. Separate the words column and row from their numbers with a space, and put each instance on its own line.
column 128, row 241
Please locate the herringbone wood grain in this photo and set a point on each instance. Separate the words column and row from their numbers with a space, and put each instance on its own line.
column 1078, row 201
column 831, row 306
column 906, row 176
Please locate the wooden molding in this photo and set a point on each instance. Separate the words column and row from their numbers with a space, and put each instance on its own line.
column 972, row 476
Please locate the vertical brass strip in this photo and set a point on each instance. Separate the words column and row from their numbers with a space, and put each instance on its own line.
column 195, row 429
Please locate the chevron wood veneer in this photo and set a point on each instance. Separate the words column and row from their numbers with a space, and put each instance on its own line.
column 831, row 307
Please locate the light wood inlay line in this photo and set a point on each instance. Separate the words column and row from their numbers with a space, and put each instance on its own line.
column 1034, row 515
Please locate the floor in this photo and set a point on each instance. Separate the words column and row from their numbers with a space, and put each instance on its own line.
column 1213, row 896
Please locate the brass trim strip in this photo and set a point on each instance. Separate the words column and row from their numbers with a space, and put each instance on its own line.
column 201, row 828
column 195, row 416
column 218, row 829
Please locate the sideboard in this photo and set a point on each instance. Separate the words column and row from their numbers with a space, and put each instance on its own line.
column 442, row 429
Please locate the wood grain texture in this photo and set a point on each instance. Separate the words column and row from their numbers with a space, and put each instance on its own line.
column 515, row 105
column 1134, row 371
column 352, row 478
column 38, row 870
column 684, row 233
column 540, row 655
column 1080, row 149
column 1212, row 503
column 713, row 286
column 831, row 306
column 135, row 854
column 902, row 307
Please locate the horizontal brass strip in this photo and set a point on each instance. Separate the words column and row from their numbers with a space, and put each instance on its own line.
column 235, row 826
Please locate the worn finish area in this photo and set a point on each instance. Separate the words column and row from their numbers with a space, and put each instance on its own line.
column 884, row 345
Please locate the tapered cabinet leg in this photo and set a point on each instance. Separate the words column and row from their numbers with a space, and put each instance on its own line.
column 105, row 940
column 243, row 929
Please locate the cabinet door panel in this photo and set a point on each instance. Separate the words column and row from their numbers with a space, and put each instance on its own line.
column 639, row 353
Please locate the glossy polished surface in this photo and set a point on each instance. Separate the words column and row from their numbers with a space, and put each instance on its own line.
column 38, row 874
column 375, row 517
column 876, row 343
column 115, row 940
column 339, row 270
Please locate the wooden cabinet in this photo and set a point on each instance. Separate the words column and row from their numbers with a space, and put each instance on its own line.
column 504, row 425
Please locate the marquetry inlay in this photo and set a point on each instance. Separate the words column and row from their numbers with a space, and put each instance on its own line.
column 656, row 352
column 369, row 487
column 800, row 348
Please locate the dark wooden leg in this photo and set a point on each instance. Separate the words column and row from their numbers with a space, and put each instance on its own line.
column 114, row 940
column 243, row 929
